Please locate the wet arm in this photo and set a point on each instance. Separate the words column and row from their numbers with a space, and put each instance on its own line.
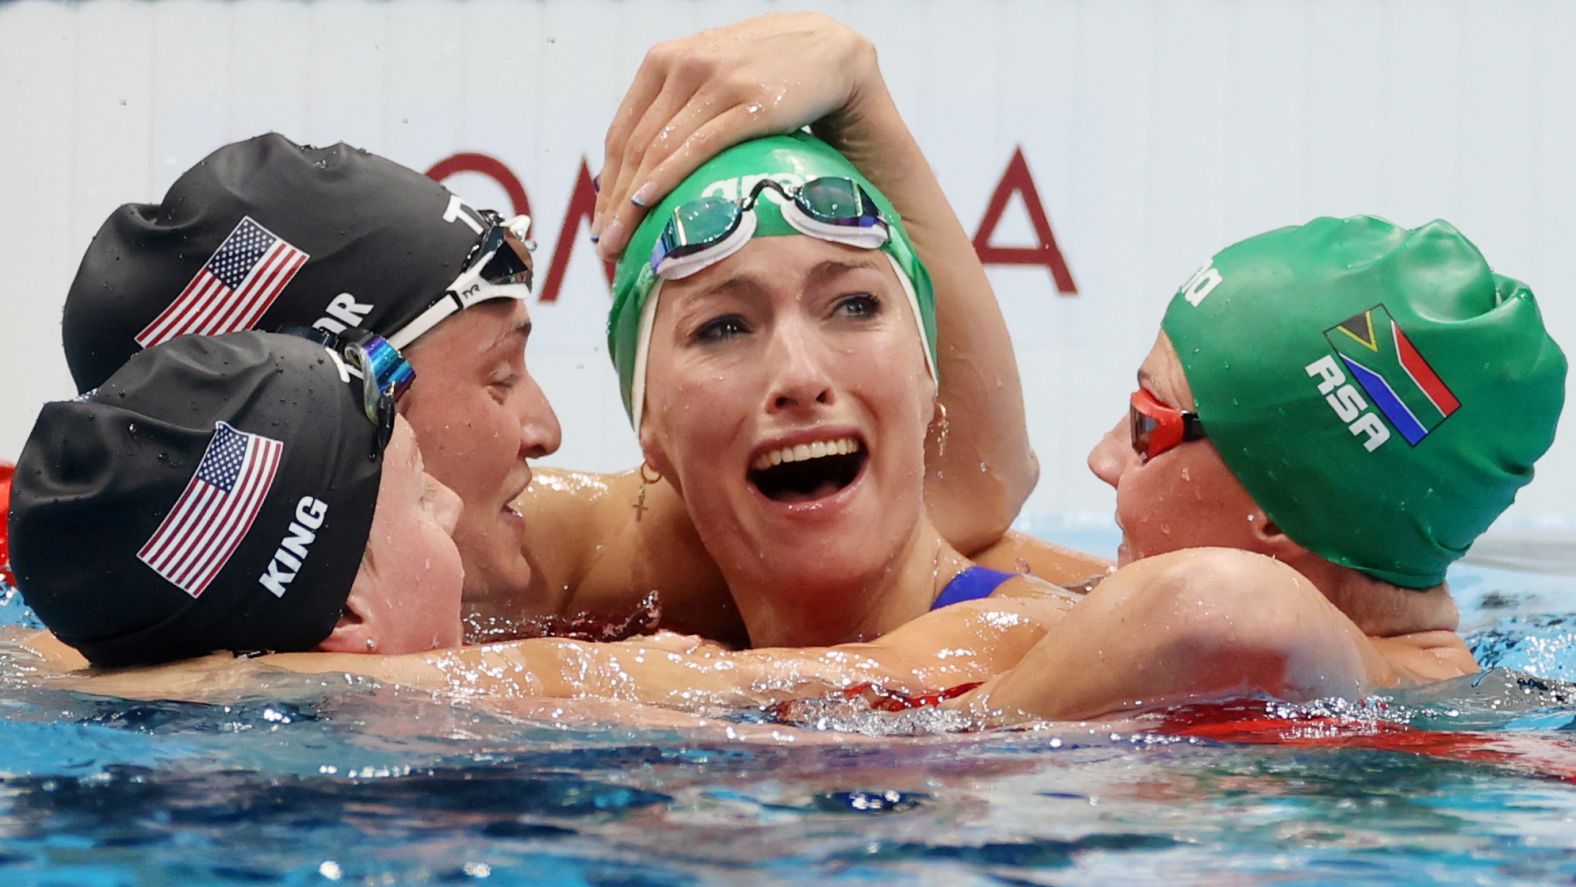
column 1192, row 624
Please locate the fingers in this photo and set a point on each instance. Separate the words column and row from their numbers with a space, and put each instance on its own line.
column 682, row 74
column 662, row 171
column 641, row 95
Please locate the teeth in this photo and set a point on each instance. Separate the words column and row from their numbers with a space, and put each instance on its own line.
column 803, row 452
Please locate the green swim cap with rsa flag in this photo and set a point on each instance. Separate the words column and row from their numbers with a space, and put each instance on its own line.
column 1379, row 391
column 791, row 160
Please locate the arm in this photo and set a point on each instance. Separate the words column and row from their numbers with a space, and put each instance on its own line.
column 1190, row 624
column 683, row 673
column 694, row 97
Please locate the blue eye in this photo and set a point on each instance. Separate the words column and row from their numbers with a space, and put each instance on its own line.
column 858, row 305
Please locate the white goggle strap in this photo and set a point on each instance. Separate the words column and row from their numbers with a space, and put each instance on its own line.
column 637, row 388
column 468, row 289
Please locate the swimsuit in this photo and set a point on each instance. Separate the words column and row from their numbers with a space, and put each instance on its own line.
column 970, row 585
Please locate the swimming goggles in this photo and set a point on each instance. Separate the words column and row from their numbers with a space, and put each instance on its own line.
column 498, row 265
column 384, row 373
column 706, row 230
column 1156, row 427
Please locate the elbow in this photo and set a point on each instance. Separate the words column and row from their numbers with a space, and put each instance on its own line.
column 1241, row 623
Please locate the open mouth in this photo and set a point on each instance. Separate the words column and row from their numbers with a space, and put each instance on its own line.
column 808, row 472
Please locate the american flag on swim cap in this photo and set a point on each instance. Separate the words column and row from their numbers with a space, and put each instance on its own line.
column 213, row 514
column 239, row 282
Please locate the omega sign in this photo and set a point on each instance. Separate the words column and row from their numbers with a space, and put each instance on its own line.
column 582, row 202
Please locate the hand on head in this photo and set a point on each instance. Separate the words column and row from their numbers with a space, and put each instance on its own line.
column 696, row 96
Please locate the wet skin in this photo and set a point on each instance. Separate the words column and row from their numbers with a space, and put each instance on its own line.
column 1185, row 497
column 794, row 341
column 409, row 586
column 479, row 415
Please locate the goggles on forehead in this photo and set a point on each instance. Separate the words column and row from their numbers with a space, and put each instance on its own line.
column 384, row 373
column 1156, row 427
column 706, row 230
column 498, row 265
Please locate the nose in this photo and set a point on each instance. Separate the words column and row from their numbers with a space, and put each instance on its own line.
column 799, row 379
column 540, row 433
column 1112, row 454
column 446, row 504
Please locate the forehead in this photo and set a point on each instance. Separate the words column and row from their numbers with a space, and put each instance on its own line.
column 477, row 327
column 776, row 262
column 1161, row 374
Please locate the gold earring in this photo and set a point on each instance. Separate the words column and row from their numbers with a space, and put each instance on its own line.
column 640, row 504
column 941, row 426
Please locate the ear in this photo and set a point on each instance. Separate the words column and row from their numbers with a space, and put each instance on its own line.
column 353, row 633
column 1272, row 540
column 651, row 448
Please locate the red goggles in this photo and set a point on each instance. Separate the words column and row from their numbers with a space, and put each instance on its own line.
column 1156, row 427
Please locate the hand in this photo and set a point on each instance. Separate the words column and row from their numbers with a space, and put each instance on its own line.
column 673, row 642
column 696, row 96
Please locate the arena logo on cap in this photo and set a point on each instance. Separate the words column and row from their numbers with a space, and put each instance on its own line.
column 1390, row 370
column 740, row 187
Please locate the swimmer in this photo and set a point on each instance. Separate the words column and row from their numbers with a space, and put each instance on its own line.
column 1348, row 405
column 380, row 246
column 1168, row 626
column 252, row 492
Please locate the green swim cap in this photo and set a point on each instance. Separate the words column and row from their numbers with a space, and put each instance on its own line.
column 790, row 159
column 1379, row 391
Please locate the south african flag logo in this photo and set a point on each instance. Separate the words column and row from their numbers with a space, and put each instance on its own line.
column 1395, row 375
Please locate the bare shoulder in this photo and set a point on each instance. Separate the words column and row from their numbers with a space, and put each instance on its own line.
column 1021, row 553
column 603, row 543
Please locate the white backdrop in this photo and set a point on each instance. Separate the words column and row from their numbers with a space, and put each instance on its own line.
column 1155, row 132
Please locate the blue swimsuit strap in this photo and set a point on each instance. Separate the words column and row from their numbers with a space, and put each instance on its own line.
column 970, row 585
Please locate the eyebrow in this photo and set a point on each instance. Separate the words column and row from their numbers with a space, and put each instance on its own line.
column 521, row 330
column 750, row 283
column 833, row 268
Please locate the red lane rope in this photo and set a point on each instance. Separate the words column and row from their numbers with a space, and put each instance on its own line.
column 7, row 470
column 1253, row 724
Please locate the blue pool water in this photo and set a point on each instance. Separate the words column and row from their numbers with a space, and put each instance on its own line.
column 318, row 781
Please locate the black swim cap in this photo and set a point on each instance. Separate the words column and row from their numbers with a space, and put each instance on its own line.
column 262, row 234
column 214, row 494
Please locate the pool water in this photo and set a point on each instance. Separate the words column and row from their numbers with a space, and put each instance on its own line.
column 327, row 780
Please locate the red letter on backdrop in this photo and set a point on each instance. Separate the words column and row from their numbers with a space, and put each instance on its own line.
column 492, row 168
column 1017, row 179
column 582, row 204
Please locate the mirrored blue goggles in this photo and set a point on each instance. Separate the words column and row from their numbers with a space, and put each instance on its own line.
column 385, row 373
column 706, row 230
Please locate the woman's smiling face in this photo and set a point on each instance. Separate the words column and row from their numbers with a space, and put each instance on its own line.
column 787, row 396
